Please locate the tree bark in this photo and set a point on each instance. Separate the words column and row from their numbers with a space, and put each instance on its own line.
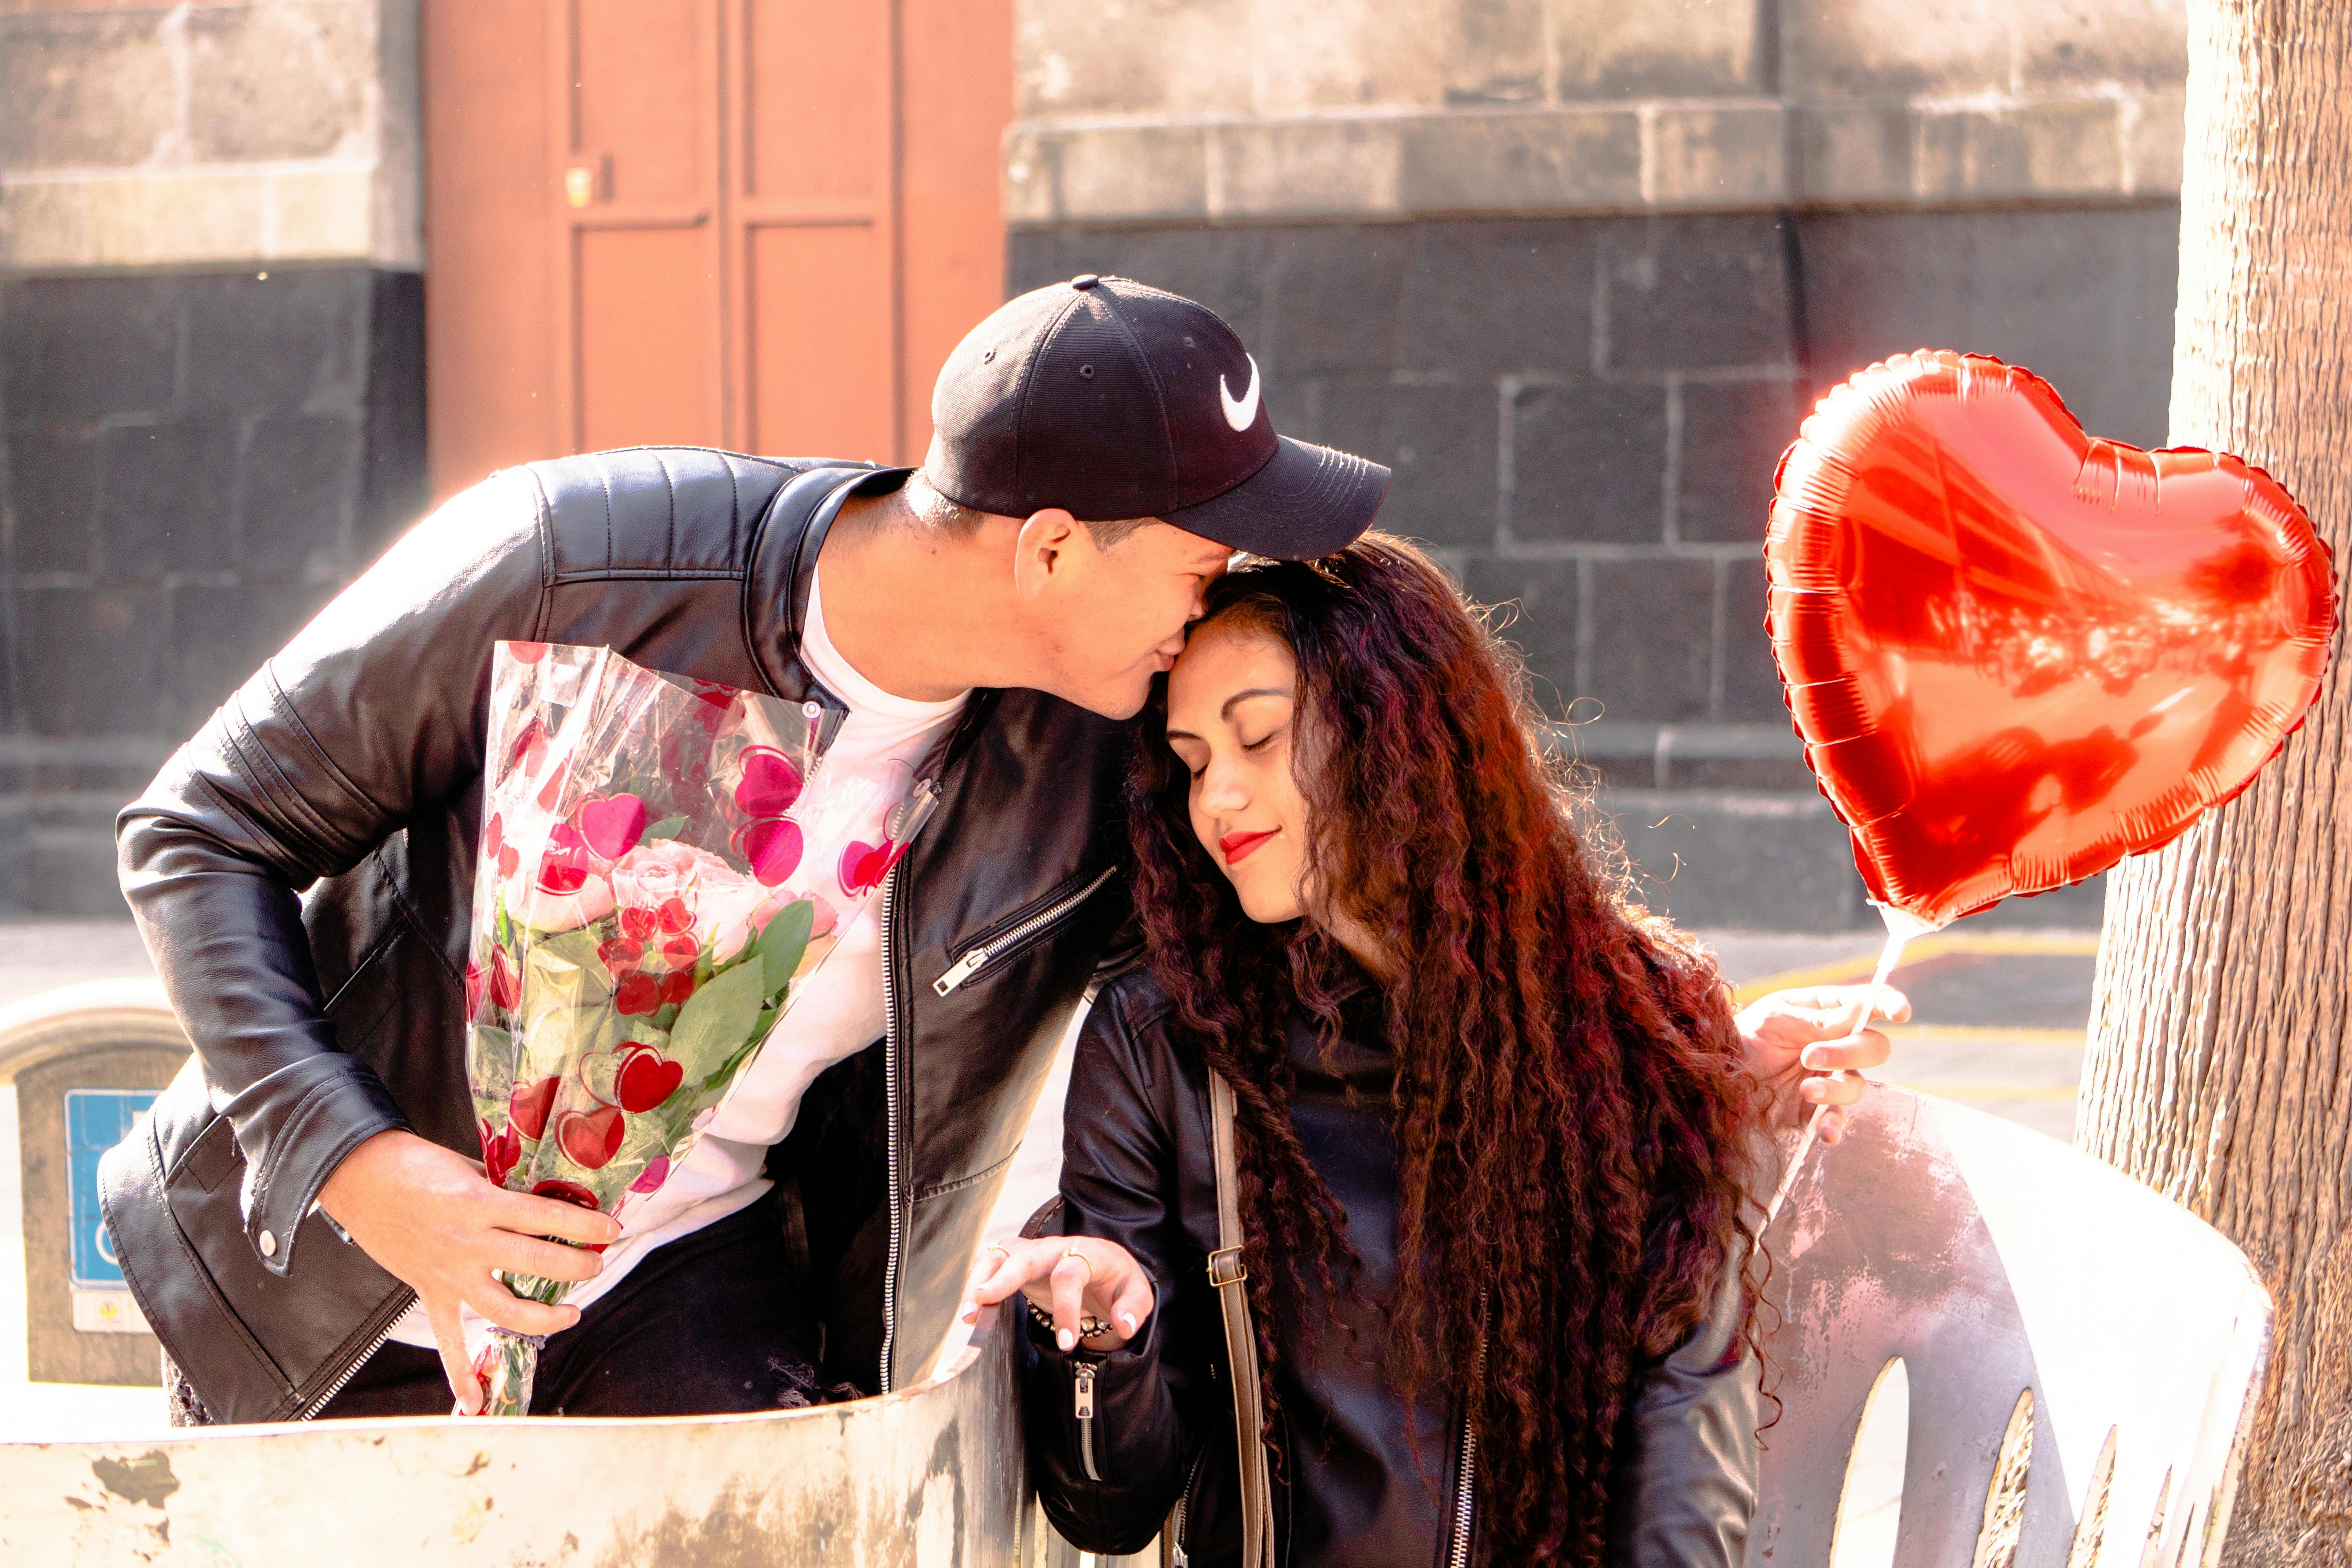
column 2221, row 1065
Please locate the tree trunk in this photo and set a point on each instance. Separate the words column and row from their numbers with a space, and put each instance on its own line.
column 2221, row 1065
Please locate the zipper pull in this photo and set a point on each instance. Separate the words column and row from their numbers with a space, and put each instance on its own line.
column 961, row 969
column 1086, row 1385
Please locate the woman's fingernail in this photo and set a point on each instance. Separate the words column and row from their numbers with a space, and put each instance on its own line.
column 1066, row 1340
column 1127, row 1322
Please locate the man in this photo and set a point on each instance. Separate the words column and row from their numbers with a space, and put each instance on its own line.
column 302, row 1219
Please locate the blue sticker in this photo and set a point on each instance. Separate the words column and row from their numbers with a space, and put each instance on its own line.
column 96, row 1120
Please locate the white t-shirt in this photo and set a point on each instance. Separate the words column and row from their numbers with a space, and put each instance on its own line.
column 836, row 1012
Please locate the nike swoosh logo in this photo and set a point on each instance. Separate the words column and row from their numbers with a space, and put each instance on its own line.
column 1241, row 413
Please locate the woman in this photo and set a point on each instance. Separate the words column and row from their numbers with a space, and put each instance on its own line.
column 1493, row 1128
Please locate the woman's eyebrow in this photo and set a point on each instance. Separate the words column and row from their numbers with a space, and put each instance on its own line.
column 1227, row 710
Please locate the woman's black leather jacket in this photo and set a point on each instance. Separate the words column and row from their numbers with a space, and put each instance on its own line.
column 303, row 871
column 1359, row 1484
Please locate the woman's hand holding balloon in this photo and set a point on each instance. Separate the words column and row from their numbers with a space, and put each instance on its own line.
column 1806, row 1035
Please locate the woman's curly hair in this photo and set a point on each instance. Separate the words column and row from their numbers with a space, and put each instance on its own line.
column 1572, row 1110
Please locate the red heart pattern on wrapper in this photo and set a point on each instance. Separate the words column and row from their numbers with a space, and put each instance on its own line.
column 641, row 921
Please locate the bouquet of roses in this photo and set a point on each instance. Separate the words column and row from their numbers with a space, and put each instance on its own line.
column 661, row 862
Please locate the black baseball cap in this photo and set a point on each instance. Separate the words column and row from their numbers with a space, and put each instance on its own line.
column 1113, row 400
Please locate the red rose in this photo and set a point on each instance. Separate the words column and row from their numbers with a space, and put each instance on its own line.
column 562, row 870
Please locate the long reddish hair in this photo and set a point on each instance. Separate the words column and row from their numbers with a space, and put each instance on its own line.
column 1571, row 1109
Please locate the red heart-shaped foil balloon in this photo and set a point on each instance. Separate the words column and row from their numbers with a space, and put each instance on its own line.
column 2015, row 653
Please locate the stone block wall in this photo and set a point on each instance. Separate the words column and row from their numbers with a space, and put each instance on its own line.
column 179, row 135
column 1137, row 110
column 211, row 378
column 1576, row 271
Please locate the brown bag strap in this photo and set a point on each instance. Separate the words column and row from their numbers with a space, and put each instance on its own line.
column 1227, row 1274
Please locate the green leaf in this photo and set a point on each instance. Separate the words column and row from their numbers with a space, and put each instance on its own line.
column 577, row 948
column 716, row 1020
column 668, row 827
column 491, row 1066
column 781, row 945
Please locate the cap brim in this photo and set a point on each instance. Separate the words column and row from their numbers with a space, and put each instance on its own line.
column 1306, row 502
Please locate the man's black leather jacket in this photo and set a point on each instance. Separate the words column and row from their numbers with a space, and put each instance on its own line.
column 302, row 872
column 1364, row 1480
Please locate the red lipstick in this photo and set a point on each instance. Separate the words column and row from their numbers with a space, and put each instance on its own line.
column 1237, row 846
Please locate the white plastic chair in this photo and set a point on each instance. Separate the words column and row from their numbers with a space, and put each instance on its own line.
column 2081, row 1353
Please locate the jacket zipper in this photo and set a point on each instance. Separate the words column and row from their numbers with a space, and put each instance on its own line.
column 980, row 957
column 1083, row 1380
column 890, row 1103
column 1176, row 1556
column 364, row 1356
column 891, row 967
column 1464, row 1498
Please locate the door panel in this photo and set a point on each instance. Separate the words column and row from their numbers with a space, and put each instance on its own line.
column 820, row 342
column 640, row 315
column 953, row 109
column 816, row 99
column 489, row 329
column 648, row 332
column 755, row 223
column 813, row 217
column 638, row 97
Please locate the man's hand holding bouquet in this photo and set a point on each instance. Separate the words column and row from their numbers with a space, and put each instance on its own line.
column 661, row 862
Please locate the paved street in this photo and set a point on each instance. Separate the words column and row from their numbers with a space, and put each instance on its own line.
column 1998, row 1023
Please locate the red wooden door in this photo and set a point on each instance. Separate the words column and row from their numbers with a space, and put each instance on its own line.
column 812, row 226
column 750, row 223
column 639, row 320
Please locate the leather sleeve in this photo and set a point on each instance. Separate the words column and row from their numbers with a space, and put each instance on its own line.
column 1685, row 1486
column 1118, row 1182
column 373, row 714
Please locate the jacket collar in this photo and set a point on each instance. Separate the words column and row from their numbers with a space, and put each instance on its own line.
column 792, row 536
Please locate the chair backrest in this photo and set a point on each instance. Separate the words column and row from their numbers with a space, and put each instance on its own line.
column 2082, row 1354
column 934, row 1474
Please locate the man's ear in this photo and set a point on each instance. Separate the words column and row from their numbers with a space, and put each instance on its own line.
column 1045, row 547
